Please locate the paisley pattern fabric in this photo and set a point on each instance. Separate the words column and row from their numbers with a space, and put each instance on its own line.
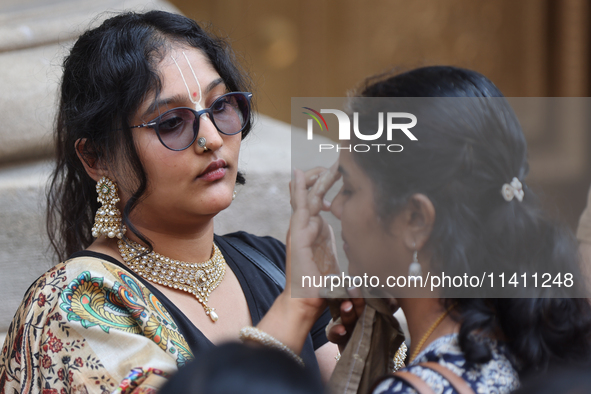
column 88, row 326
column 494, row 377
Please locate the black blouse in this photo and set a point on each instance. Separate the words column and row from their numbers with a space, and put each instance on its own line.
column 260, row 292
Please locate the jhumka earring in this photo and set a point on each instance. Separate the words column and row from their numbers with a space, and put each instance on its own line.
column 107, row 220
column 414, row 269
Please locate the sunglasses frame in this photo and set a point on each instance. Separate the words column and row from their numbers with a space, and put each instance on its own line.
column 198, row 114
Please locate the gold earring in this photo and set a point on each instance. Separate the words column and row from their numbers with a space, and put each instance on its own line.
column 107, row 220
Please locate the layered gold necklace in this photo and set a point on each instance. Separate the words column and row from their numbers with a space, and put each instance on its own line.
column 199, row 279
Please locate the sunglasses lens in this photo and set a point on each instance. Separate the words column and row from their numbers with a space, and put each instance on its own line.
column 175, row 128
column 231, row 113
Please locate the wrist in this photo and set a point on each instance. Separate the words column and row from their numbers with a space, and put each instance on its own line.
column 290, row 320
column 302, row 311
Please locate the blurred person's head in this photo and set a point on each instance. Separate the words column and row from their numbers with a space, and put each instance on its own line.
column 575, row 380
column 442, row 196
column 469, row 143
column 238, row 368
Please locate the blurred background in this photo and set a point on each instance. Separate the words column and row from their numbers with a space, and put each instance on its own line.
column 323, row 48
column 305, row 48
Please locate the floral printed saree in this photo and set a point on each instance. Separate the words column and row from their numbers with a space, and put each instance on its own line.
column 88, row 326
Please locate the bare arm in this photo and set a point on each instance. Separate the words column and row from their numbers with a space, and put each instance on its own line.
column 290, row 319
column 326, row 356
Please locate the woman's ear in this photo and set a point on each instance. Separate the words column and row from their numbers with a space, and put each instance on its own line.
column 89, row 160
column 420, row 217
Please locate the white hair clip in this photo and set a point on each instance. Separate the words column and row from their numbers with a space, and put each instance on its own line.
column 515, row 189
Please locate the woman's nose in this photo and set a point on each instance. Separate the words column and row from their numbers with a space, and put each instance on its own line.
column 207, row 130
column 336, row 206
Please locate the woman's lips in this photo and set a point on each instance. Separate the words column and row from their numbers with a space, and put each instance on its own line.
column 216, row 170
column 213, row 175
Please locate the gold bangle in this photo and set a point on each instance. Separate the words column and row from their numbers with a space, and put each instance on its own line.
column 256, row 335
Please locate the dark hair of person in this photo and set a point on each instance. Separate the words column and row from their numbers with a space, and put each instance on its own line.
column 463, row 155
column 106, row 76
column 238, row 368
column 564, row 380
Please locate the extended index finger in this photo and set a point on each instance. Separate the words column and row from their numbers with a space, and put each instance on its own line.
column 311, row 176
column 298, row 190
column 321, row 187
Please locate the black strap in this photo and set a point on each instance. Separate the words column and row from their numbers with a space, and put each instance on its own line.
column 261, row 261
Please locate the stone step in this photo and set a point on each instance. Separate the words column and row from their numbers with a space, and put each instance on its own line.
column 23, row 244
column 34, row 37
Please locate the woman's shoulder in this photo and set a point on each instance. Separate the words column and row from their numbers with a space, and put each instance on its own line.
column 255, row 240
column 50, row 290
column 73, row 288
column 54, row 280
column 495, row 376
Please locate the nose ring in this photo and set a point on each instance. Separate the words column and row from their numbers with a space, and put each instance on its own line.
column 201, row 141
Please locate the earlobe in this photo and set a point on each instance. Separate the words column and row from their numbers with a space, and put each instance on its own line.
column 420, row 220
column 89, row 160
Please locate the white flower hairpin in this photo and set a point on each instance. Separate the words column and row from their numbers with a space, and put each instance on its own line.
column 514, row 189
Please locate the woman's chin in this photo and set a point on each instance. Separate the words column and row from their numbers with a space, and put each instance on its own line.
column 221, row 205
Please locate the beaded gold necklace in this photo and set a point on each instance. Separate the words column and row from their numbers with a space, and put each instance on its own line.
column 429, row 332
column 199, row 279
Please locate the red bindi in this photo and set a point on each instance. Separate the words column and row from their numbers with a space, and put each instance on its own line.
column 194, row 94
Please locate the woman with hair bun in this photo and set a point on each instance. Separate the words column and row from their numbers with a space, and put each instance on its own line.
column 151, row 117
column 454, row 201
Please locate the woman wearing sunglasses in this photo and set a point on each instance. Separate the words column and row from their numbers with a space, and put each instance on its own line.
column 151, row 117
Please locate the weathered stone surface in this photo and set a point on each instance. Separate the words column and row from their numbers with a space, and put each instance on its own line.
column 34, row 37
column 29, row 23
column 27, row 102
column 23, row 243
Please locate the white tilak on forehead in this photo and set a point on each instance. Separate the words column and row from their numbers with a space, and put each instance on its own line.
column 197, row 103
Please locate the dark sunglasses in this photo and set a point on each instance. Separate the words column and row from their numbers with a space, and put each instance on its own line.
column 177, row 128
